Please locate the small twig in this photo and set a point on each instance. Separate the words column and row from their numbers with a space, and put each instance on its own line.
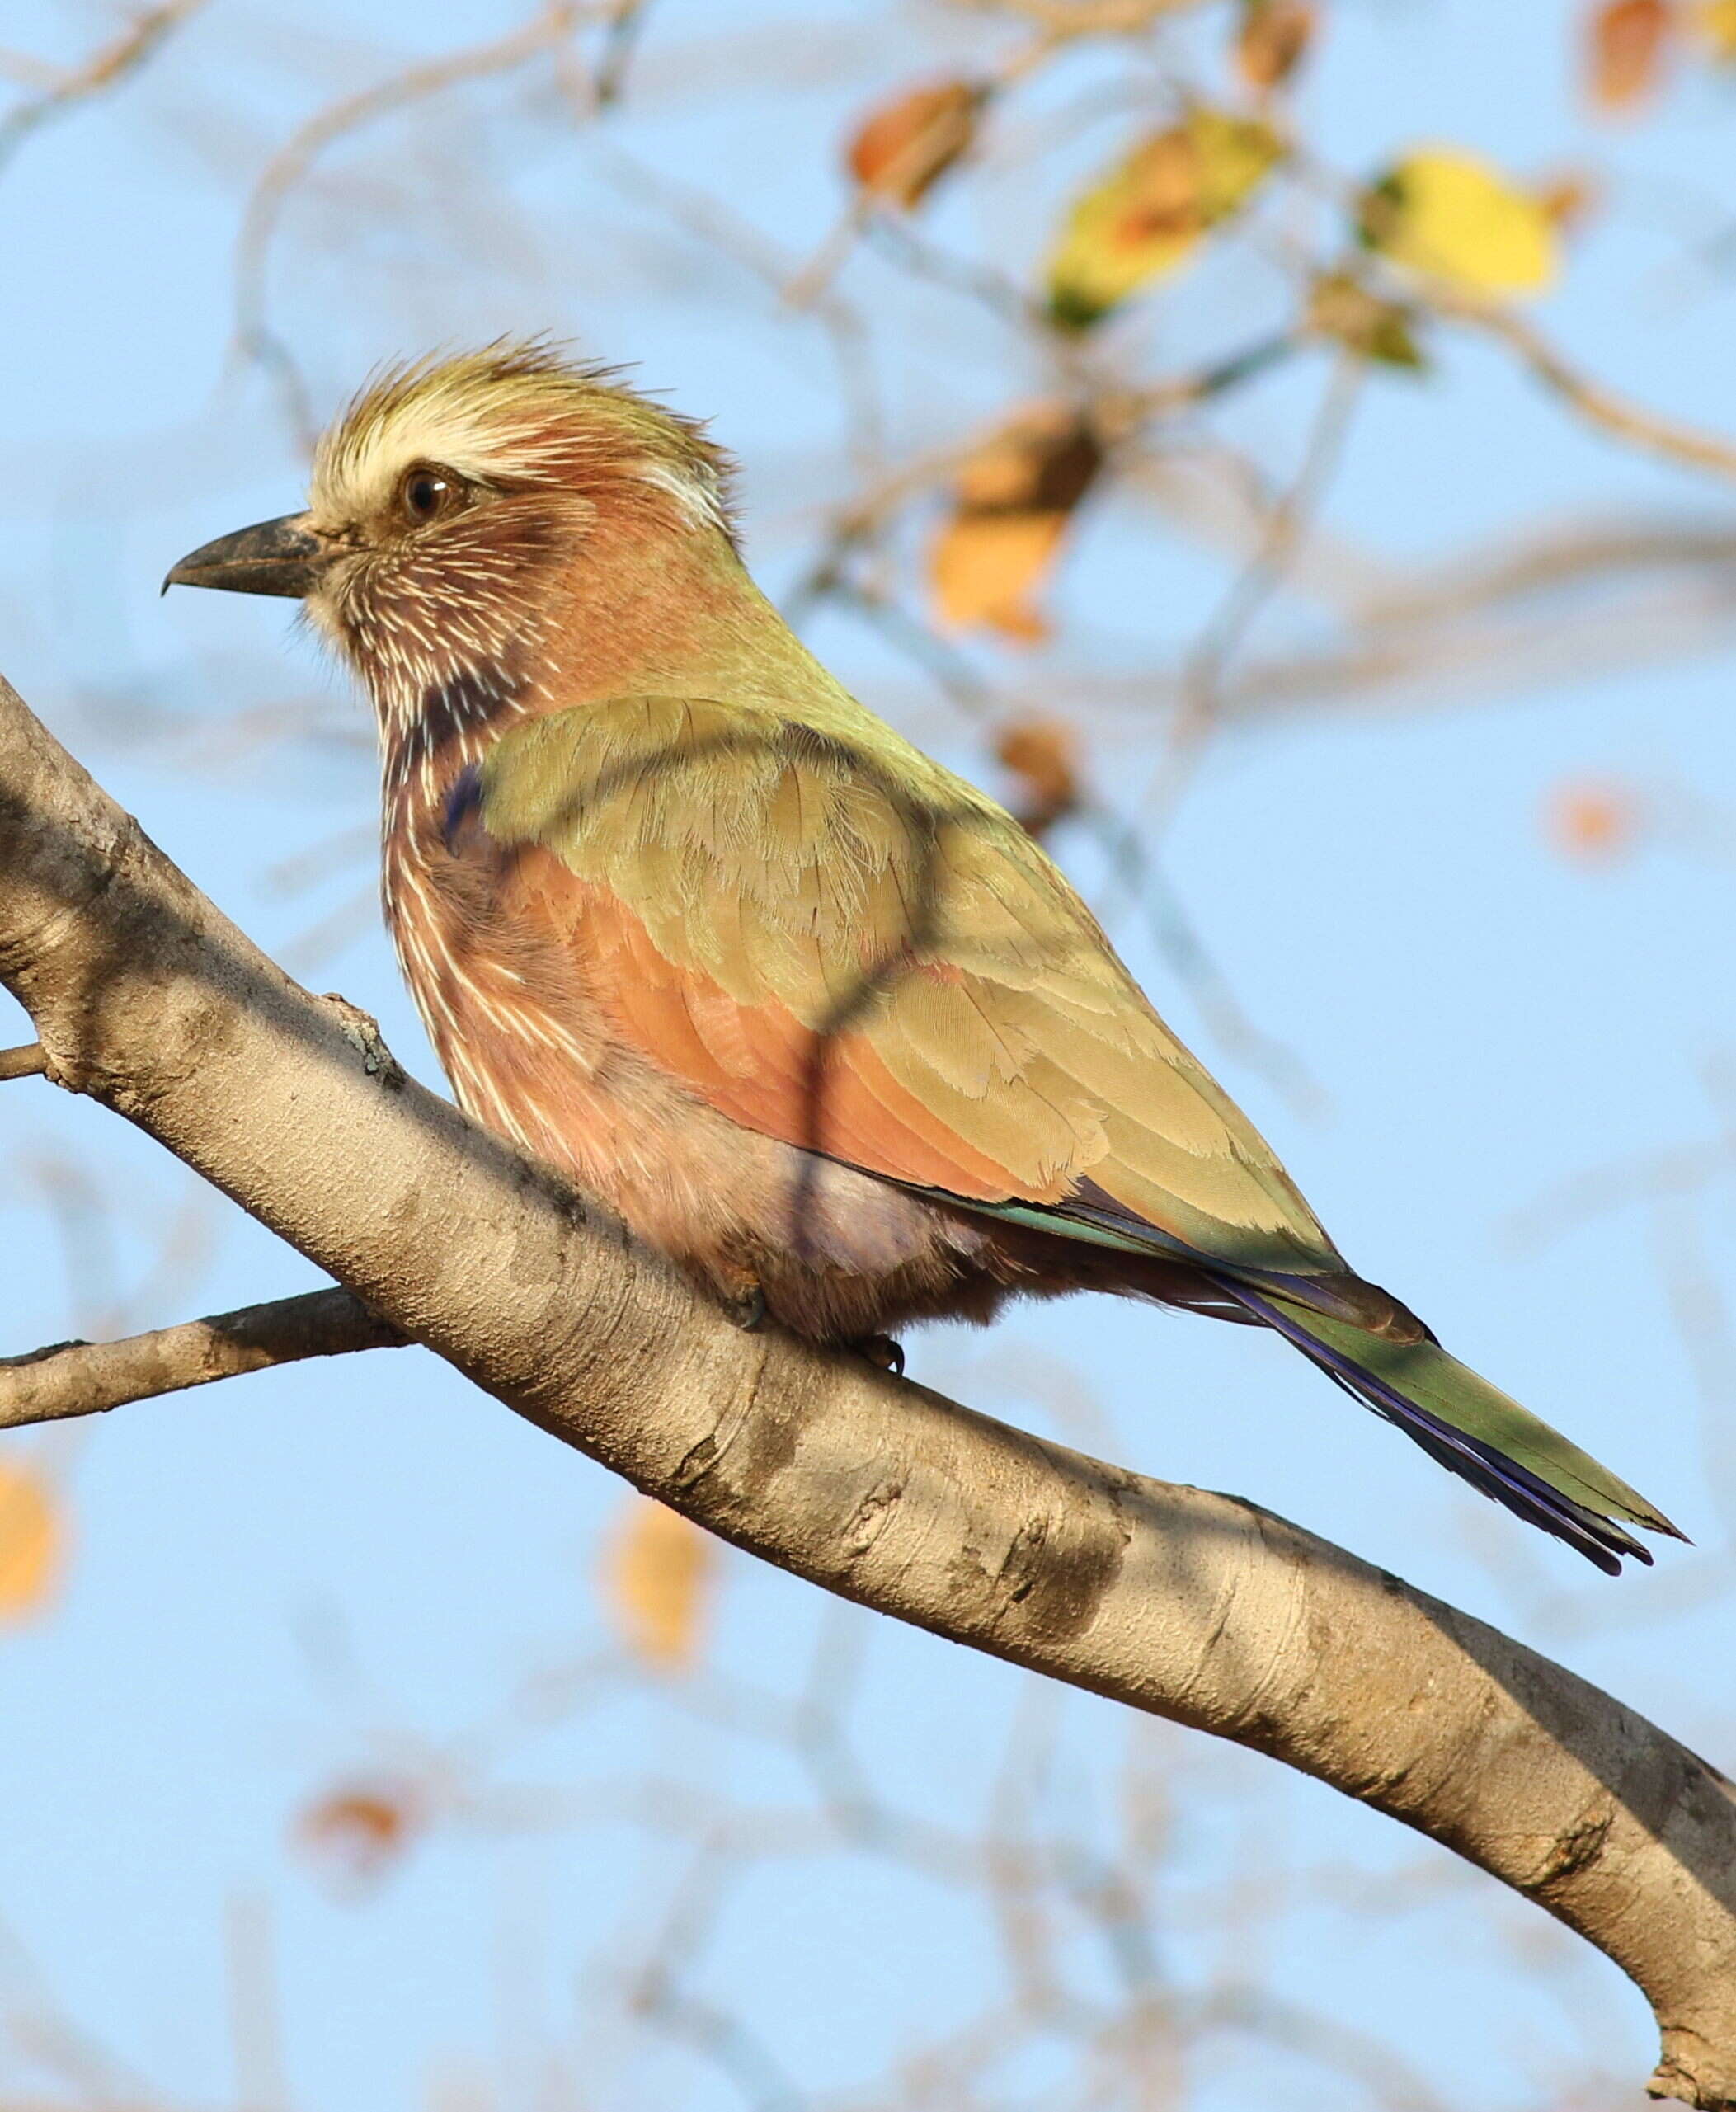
column 104, row 70
column 85, row 1378
column 1602, row 406
column 1079, row 18
column 29, row 1061
column 620, row 40
column 1202, row 700
column 546, row 31
column 712, row 221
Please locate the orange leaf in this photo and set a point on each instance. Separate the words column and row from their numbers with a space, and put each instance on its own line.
column 1270, row 40
column 1625, row 43
column 984, row 567
column 359, row 1830
column 902, row 147
column 1015, row 494
column 1043, row 754
column 1044, row 459
column 32, row 1543
column 1594, row 821
column 657, row 1569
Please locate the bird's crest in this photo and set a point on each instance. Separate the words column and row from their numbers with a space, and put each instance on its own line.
column 516, row 412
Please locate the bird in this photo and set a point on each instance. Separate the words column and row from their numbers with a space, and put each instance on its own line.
column 816, row 1019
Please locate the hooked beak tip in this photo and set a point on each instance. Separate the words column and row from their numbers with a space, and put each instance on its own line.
column 282, row 557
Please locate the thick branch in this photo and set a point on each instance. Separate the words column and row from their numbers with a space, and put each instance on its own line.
column 84, row 1378
column 1195, row 1607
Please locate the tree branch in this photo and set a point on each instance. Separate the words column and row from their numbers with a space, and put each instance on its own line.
column 85, row 1378
column 1198, row 1607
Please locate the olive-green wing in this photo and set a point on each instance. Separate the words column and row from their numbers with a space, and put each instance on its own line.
column 837, row 943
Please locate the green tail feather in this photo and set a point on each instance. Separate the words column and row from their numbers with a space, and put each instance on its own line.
column 1470, row 1427
column 1476, row 1430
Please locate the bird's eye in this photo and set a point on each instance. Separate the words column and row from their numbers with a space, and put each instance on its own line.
column 426, row 493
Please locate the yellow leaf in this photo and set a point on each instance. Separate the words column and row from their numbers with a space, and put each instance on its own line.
column 1449, row 215
column 32, row 1543
column 1146, row 217
column 1715, row 24
column 657, row 1569
column 984, row 567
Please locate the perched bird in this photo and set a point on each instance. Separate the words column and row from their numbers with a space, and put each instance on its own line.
column 816, row 1017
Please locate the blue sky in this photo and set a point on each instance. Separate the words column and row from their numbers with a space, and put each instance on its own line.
column 353, row 1567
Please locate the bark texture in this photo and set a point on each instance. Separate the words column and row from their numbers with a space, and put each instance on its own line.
column 1195, row 1607
column 84, row 1378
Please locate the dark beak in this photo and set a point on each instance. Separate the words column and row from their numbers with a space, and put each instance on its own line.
column 277, row 557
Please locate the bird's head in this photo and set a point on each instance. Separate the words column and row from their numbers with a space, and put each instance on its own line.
column 452, row 504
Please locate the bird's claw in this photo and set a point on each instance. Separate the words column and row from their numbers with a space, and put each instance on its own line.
column 747, row 1309
column 881, row 1351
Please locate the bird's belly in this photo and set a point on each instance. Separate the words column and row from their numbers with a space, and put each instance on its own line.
column 837, row 1251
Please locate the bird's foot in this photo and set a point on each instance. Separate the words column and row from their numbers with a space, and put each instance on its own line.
column 746, row 1308
column 881, row 1351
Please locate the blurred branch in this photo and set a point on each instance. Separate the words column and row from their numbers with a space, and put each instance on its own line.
column 1199, row 707
column 106, row 69
column 1195, row 1607
column 1570, row 601
column 26, row 1062
column 1074, row 18
column 85, row 1378
column 550, row 28
column 1602, row 406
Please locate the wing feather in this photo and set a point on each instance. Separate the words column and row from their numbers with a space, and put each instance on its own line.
column 832, row 941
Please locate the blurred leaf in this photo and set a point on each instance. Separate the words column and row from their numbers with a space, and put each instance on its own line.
column 358, row 1830
column 1713, row 22
column 657, row 1571
column 1043, row 754
column 1343, row 308
column 1270, row 38
column 32, row 1543
column 1594, row 821
column 1045, row 459
column 1450, row 215
column 984, row 567
column 903, row 147
column 1146, row 217
column 1014, row 496
column 1625, row 43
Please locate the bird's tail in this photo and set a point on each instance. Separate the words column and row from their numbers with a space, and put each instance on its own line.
column 1472, row 1428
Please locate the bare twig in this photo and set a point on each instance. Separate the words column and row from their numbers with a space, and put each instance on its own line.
column 86, row 1378
column 546, row 31
column 1602, row 406
column 1202, row 699
column 106, row 69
